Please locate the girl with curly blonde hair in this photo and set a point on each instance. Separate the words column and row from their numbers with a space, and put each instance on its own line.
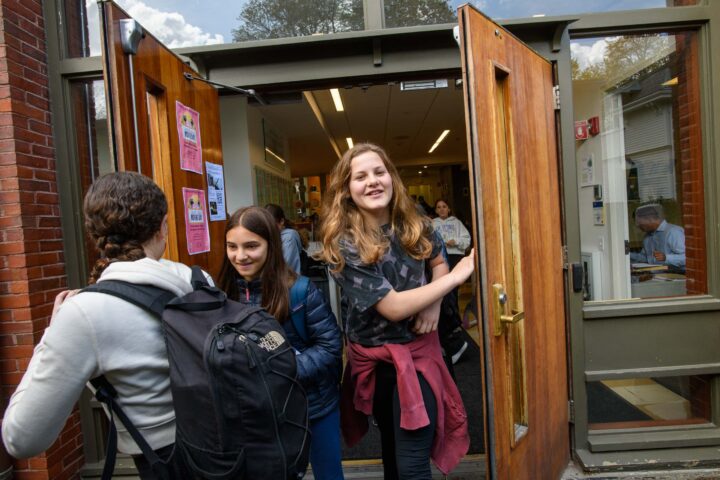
column 378, row 247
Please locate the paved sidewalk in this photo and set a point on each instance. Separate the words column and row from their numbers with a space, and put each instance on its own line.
column 573, row 472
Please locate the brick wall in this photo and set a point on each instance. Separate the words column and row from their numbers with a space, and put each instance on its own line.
column 32, row 269
column 688, row 159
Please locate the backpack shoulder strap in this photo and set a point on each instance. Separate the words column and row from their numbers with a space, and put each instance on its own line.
column 198, row 279
column 150, row 298
column 298, row 298
column 106, row 393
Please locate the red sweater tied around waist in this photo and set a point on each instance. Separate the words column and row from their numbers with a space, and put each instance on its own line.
column 422, row 355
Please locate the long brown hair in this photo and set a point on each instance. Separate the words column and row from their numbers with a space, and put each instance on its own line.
column 123, row 210
column 276, row 277
column 341, row 218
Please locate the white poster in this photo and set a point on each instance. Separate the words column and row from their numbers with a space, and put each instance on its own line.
column 587, row 172
column 216, row 191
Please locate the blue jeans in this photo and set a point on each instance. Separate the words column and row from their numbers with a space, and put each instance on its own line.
column 325, row 456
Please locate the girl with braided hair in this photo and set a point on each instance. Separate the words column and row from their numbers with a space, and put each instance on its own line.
column 93, row 334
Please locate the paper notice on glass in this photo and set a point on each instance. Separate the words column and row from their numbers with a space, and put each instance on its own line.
column 587, row 171
column 216, row 191
column 188, row 125
column 197, row 232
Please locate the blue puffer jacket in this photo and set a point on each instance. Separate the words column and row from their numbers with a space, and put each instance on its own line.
column 319, row 362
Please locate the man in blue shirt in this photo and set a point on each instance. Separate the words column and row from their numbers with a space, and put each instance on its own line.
column 664, row 243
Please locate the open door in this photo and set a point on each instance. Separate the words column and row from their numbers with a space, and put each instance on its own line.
column 167, row 127
column 514, row 164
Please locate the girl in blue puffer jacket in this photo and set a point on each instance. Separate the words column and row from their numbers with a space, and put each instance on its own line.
column 255, row 272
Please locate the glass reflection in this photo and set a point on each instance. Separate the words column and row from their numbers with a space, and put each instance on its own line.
column 639, row 170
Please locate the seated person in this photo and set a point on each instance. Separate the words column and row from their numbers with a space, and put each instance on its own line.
column 664, row 243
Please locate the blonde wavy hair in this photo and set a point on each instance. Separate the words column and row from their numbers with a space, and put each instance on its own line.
column 341, row 218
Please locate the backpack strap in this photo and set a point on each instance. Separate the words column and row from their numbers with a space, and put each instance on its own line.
column 298, row 299
column 198, row 279
column 106, row 393
column 151, row 299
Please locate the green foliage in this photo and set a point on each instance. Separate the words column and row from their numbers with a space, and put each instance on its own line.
column 261, row 19
column 407, row 13
column 627, row 56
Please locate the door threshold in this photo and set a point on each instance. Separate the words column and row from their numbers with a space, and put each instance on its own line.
column 472, row 467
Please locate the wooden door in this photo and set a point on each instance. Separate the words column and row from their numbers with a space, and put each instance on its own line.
column 514, row 162
column 146, row 89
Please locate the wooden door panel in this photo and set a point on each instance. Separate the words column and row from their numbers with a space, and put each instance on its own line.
column 512, row 141
column 145, row 86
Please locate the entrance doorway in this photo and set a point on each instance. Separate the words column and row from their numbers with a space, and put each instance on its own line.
column 297, row 136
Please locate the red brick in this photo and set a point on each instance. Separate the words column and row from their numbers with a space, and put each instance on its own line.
column 18, row 351
column 16, row 327
column 11, row 248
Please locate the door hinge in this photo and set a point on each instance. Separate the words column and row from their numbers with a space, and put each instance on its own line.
column 564, row 253
column 556, row 96
column 571, row 411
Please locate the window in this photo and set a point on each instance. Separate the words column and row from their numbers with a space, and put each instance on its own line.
column 212, row 22
column 89, row 116
column 405, row 13
column 640, row 169
column 649, row 402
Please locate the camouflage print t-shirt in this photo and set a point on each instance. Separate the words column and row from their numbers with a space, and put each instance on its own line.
column 363, row 286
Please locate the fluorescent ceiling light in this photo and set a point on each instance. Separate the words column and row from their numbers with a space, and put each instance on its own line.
column 274, row 154
column 440, row 139
column 349, row 141
column 336, row 98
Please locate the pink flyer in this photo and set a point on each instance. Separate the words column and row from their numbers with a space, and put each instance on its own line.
column 188, row 124
column 196, row 221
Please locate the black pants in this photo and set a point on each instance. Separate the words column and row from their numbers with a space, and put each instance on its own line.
column 405, row 453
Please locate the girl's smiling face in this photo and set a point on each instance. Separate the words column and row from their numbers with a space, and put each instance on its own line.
column 371, row 186
column 246, row 251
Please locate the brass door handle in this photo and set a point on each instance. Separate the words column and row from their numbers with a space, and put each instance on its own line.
column 513, row 318
column 501, row 308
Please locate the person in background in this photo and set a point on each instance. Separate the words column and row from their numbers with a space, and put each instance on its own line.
column 378, row 246
column 254, row 272
column 664, row 243
column 93, row 334
column 292, row 246
column 453, row 232
column 457, row 240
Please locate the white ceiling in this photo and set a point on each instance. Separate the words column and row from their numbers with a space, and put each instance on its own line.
column 405, row 123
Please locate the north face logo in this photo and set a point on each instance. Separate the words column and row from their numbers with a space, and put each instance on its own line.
column 271, row 341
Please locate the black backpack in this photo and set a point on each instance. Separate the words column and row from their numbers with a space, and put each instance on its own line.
column 240, row 411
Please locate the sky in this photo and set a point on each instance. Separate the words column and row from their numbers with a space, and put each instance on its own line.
column 208, row 22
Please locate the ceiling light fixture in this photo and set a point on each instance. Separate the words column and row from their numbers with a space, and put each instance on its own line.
column 440, row 139
column 274, row 154
column 349, row 142
column 336, row 98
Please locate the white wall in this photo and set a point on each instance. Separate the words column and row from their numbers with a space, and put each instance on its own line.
column 243, row 149
column 239, row 180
